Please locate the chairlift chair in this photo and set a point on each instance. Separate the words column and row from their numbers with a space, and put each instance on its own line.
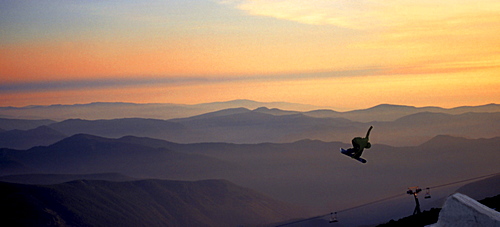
column 427, row 193
column 333, row 217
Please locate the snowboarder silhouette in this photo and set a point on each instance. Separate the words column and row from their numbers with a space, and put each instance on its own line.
column 358, row 145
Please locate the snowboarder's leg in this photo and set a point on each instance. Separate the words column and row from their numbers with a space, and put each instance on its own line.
column 355, row 149
column 350, row 151
column 357, row 154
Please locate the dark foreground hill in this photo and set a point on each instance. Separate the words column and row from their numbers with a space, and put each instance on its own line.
column 138, row 203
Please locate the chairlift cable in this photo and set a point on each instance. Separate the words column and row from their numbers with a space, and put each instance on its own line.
column 462, row 181
column 385, row 199
column 344, row 210
column 373, row 202
column 302, row 220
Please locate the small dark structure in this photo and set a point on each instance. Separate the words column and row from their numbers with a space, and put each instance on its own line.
column 414, row 191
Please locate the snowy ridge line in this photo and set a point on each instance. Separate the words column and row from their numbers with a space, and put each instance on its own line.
column 387, row 198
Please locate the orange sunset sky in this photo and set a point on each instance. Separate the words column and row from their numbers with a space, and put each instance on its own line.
column 343, row 54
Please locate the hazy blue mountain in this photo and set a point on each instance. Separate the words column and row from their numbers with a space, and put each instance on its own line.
column 24, row 139
column 149, row 142
column 9, row 165
column 417, row 128
column 112, row 110
column 388, row 112
column 230, row 125
column 219, row 113
column 87, row 154
column 312, row 173
column 384, row 112
column 139, row 203
column 22, row 124
column 250, row 104
column 241, row 125
column 103, row 110
column 306, row 172
column 319, row 172
column 122, row 127
column 488, row 108
column 46, row 179
column 275, row 111
column 255, row 127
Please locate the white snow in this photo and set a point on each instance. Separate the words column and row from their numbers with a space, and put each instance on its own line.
column 461, row 210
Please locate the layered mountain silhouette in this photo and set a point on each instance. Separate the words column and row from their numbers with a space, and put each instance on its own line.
column 7, row 124
column 306, row 172
column 242, row 125
column 139, row 203
column 246, row 126
column 284, row 153
column 388, row 112
column 110, row 110
column 394, row 125
column 87, row 154
column 122, row 127
column 24, row 139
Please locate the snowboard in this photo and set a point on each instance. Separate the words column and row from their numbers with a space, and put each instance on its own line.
column 362, row 160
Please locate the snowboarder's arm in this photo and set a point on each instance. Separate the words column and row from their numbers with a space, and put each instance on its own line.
column 368, row 133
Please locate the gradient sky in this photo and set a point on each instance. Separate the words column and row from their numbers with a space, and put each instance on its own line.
column 340, row 53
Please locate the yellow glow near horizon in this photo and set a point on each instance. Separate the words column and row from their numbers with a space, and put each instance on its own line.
column 422, row 53
column 346, row 93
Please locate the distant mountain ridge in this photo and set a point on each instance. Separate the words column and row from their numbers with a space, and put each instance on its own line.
column 389, row 112
column 121, row 127
column 242, row 125
column 22, row 124
column 247, row 126
column 110, row 110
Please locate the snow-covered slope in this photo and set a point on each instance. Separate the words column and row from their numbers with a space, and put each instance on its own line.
column 461, row 210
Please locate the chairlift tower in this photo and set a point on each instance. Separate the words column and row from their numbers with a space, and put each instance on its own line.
column 414, row 191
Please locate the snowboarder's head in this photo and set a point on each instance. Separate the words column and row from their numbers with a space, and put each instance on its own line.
column 368, row 145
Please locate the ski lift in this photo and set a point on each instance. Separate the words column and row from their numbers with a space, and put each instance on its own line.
column 333, row 217
column 413, row 191
column 427, row 193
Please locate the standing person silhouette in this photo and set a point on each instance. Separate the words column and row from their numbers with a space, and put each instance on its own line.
column 358, row 145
